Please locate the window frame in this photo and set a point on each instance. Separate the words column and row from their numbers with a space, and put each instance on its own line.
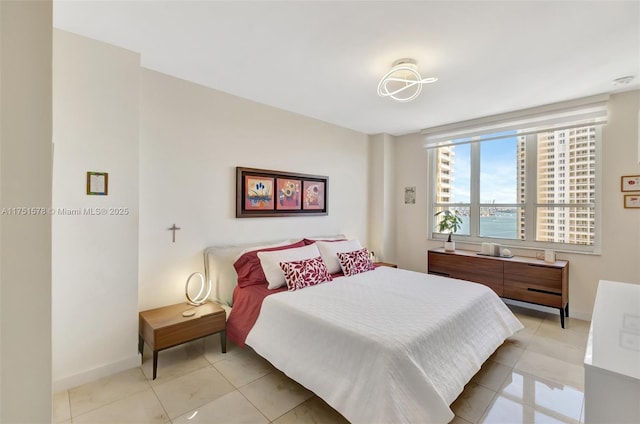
column 529, row 206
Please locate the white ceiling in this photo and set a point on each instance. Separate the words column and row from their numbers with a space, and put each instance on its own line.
column 324, row 59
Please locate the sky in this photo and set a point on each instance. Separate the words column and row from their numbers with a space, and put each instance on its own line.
column 498, row 172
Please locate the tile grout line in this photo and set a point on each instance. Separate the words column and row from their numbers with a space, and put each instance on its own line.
column 258, row 409
column 161, row 405
column 251, row 403
column 212, row 365
column 237, row 389
column 112, row 401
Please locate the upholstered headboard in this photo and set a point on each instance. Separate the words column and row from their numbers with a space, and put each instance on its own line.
column 219, row 260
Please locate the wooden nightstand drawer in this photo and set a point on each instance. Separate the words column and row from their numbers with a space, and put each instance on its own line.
column 190, row 329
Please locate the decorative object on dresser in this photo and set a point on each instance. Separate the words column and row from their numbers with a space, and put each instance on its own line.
column 264, row 193
column 165, row 327
column 449, row 222
column 493, row 249
column 519, row 278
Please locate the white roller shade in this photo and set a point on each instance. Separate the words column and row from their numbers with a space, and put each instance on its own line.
column 571, row 114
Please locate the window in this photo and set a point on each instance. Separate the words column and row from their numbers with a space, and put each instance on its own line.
column 529, row 187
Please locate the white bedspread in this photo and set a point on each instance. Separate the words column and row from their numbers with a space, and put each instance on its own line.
column 385, row 346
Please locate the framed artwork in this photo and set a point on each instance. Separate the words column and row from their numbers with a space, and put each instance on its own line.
column 409, row 195
column 632, row 200
column 288, row 194
column 630, row 183
column 314, row 195
column 97, row 183
column 258, row 193
column 265, row 193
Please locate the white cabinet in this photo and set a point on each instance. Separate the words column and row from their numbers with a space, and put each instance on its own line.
column 612, row 358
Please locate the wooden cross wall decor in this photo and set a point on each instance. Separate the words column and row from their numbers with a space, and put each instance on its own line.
column 174, row 228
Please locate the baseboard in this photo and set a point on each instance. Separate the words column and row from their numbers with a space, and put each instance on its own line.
column 94, row 374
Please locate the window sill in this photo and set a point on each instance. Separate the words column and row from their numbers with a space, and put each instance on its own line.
column 514, row 245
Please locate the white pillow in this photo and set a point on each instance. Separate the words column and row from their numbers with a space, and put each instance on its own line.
column 333, row 237
column 218, row 267
column 251, row 248
column 270, row 262
column 329, row 251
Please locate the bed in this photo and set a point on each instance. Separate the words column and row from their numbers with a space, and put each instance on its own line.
column 382, row 346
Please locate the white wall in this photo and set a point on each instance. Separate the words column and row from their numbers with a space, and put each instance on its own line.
column 620, row 228
column 25, row 240
column 95, row 258
column 382, row 210
column 411, row 224
column 191, row 140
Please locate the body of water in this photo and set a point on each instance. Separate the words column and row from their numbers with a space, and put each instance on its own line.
column 499, row 226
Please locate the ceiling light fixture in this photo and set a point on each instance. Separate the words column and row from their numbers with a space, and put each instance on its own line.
column 403, row 82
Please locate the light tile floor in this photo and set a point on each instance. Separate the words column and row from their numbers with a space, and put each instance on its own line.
column 536, row 376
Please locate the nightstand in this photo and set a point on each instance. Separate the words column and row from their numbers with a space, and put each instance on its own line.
column 385, row 264
column 165, row 327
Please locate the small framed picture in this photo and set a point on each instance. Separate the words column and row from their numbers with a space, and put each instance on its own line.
column 630, row 183
column 409, row 195
column 632, row 200
column 97, row 183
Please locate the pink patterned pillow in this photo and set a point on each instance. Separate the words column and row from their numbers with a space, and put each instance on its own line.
column 305, row 273
column 355, row 262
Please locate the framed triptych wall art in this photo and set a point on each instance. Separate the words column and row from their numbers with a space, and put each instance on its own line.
column 265, row 193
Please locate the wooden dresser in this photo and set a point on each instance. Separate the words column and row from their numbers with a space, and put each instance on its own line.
column 520, row 278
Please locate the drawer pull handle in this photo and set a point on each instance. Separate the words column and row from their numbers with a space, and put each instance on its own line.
column 544, row 291
column 443, row 274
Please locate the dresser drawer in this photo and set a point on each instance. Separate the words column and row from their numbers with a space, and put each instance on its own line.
column 532, row 296
column 479, row 270
column 533, row 276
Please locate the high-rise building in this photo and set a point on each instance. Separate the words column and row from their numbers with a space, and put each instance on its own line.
column 521, row 165
column 444, row 174
column 566, row 176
